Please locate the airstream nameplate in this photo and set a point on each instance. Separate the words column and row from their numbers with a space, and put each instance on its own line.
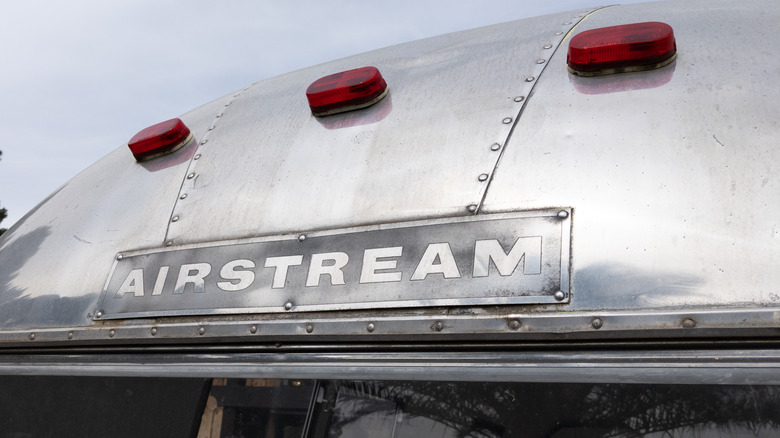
column 515, row 258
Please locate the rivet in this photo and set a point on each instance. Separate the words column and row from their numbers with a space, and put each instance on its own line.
column 32, row 336
column 119, row 256
column 507, row 120
column 190, row 176
column 204, row 141
column 70, row 335
column 301, row 238
column 183, row 196
column 563, row 214
column 483, row 177
column 202, row 331
column 153, row 331
column 309, row 328
column 111, row 333
column 287, row 305
column 219, row 114
column 530, row 79
column 540, row 61
column 548, row 46
column 495, row 146
column 253, row 329
column 169, row 243
column 99, row 314
column 596, row 323
column 175, row 219
column 211, row 128
column 472, row 208
column 560, row 295
column 196, row 157
column 370, row 327
column 559, row 33
column 437, row 326
column 519, row 98
column 688, row 323
column 514, row 324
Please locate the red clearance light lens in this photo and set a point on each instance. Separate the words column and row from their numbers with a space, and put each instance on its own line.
column 160, row 139
column 617, row 49
column 346, row 91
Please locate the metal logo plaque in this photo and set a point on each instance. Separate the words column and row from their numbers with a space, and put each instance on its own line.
column 495, row 259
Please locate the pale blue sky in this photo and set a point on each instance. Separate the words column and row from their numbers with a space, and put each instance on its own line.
column 80, row 78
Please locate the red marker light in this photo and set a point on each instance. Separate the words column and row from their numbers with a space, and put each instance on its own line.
column 160, row 139
column 346, row 91
column 617, row 49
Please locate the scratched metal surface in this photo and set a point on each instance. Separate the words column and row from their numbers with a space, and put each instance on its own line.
column 670, row 176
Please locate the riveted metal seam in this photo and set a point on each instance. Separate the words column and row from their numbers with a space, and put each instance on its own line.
column 191, row 173
column 533, row 80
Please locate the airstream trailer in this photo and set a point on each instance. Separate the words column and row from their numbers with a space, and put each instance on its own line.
column 556, row 227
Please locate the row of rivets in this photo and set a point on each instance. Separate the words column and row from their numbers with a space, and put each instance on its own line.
column 437, row 326
column 197, row 156
column 508, row 120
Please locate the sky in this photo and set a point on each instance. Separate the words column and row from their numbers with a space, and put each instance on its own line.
column 80, row 78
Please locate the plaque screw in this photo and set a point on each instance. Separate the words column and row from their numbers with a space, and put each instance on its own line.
column 519, row 98
column 119, row 256
column 70, row 335
column 688, row 323
column 597, row 323
column 483, row 177
column 190, row 176
column 111, row 333
column 253, row 329
column 514, row 324
column 99, row 314
column 301, row 238
column 153, row 331
column 540, row 61
column 563, row 214
column 495, row 146
column 183, row 196
column 175, row 219
column 32, row 336
column 197, row 157
column 507, row 120
column 309, row 328
column 472, row 208
column 437, row 326
column 530, row 79
column 370, row 327
column 169, row 243
column 287, row 305
column 548, row 46
column 202, row 331
column 560, row 295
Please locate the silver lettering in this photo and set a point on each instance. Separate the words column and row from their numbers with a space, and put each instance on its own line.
column 228, row 272
column 162, row 274
column 134, row 283
column 526, row 249
column 282, row 264
column 428, row 263
column 318, row 268
column 371, row 265
column 201, row 270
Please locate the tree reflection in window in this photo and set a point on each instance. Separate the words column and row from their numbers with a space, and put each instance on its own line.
column 436, row 409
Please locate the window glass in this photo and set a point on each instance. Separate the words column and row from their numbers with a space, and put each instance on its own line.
column 54, row 406
column 71, row 406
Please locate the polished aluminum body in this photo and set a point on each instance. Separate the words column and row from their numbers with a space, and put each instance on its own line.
column 668, row 180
